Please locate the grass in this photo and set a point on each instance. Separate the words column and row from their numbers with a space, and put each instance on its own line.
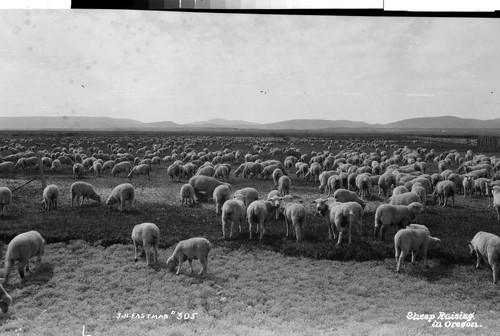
column 273, row 287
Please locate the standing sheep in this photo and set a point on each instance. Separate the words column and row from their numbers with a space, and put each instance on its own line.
column 405, row 199
column 187, row 194
column 85, row 190
column 50, row 197
column 5, row 199
column 77, row 170
column 22, row 248
column 295, row 214
column 121, row 167
column 146, row 235
column 193, row 248
column 221, row 194
column 496, row 199
column 259, row 213
column 142, row 169
column 204, row 186
column 468, row 184
column 411, row 240
column 395, row 215
column 443, row 191
column 284, row 184
column 344, row 195
column 249, row 194
column 121, row 193
column 487, row 247
column 233, row 210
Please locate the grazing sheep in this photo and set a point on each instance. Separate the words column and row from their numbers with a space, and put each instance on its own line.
column 399, row 215
column 338, row 215
column 277, row 174
column 222, row 172
column 323, row 180
column 405, row 199
column 385, row 183
column 399, row 190
column 187, row 194
column 249, row 194
column 419, row 227
column 5, row 300
column 421, row 192
column 108, row 165
column 204, row 186
column 7, row 167
column 121, row 167
column 146, row 235
column 284, row 184
column 78, row 170
column 233, row 210
column 22, row 248
column 142, row 169
column 193, row 248
column 121, row 193
column 443, row 191
column 5, row 199
column 50, row 197
column 458, row 180
column 410, row 240
column 221, row 194
column 487, row 247
column 259, row 213
column 295, row 214
column 333, row 183
column 344, row 195
column 496, row 199
column 79, row 189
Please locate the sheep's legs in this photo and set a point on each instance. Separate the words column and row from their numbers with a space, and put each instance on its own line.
column 401, row 259
column 191, row 265
column 135, row 250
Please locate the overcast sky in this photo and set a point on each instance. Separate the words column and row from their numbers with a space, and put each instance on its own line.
column 184, row 67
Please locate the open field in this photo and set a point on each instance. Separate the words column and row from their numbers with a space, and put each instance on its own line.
column 274, row 287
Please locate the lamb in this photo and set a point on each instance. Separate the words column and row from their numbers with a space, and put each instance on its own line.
column 121, row 167
column 343, row 195
column 496, row 199
column 407, row 240
column 233, row 210
column 79, row 189
column 50, row 197
column 338, row 215
column 487, row 247
column 146, row 235
column 468, row 184
column 249, row 194
column 284, row 184
column 443, row 191
column 294, row 213
column 5, row 199
column 259, row 213
column 121, row 193
column 221, row 194
column 77, row 170
column 5, row 300
column 193, row 248
column 390, row 215
column 22, row 248
column 187, row 194
column 142, row 169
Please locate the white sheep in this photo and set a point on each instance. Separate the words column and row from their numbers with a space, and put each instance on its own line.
column 284, row 184
column 443, row 191
column 405, row 199
column 220, row 195
column 121, row 167
column 56, row 165
column 495, row 190
column 5, row 300
column 234, row 211
column 411, row 240
column 85, row 190
column 419, row 227
column 398, row 190
column 77, row 170
column 5, row 199
column 97, row 168
column 468, row 184
column 273, row 193
column 142, row 169
column 419, row 190
column 259, row 213
column 146, row 235
column 295, row 214
column 344, row 195
column 385, row 183
column 50, row 197
column 22, row 248
column 108, row 165
column 249, row 194
column 487, row 247
column 121, row 194
column 364, row 185
column 399, row 215
column 187, row 194
column 7, row 167
column 193, row 248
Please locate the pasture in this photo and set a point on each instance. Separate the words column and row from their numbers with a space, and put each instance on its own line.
column 277, row 286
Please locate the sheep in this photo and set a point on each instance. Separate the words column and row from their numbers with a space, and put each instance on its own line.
column 419, row 227
column 443, row 191
column 385, row 183
column 399, row 190
column 108, row 165
column 390, row 215
column 5, row 199
column 277, row 174
column 121, row 193
column 146, row 235
column 193, row 248
column 468, row 184
column 405, row 199
column 7, row 167
column 284, row 183
column 338, row 215
column 407, row 240
column 142, row 169
column 481, row 186
column 187, row 194
column 323, row 180
column 50, row 197
column 121, row 167
column 5, row 300
column 221, row 194
column 458, row 180
column 421, row 192
column 344, row 195
column 364, row 185
column 222, row 172
column 249, row 194
column 233, row 210
column 22, row 248
column 204, row 186
column 333, row 183
column 295, row 214
column 259, row 213
column 487, row 247
column 55, row 166
column 77, row 170
column 79, row 189
column 496, row 199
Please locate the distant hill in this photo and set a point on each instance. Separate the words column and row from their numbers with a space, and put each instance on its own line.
column 218, row 122
column 300, row 124
column 445, row 122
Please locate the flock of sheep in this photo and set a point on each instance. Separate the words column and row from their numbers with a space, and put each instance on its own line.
column 348, row 177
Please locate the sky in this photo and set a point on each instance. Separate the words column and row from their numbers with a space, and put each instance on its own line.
column 186, row 67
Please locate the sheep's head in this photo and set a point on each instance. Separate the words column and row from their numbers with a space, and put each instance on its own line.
column 416, row 207
column 321, row 206
column 171, row 264
column 471, row 248
column 435, row 243
column 110, row 201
